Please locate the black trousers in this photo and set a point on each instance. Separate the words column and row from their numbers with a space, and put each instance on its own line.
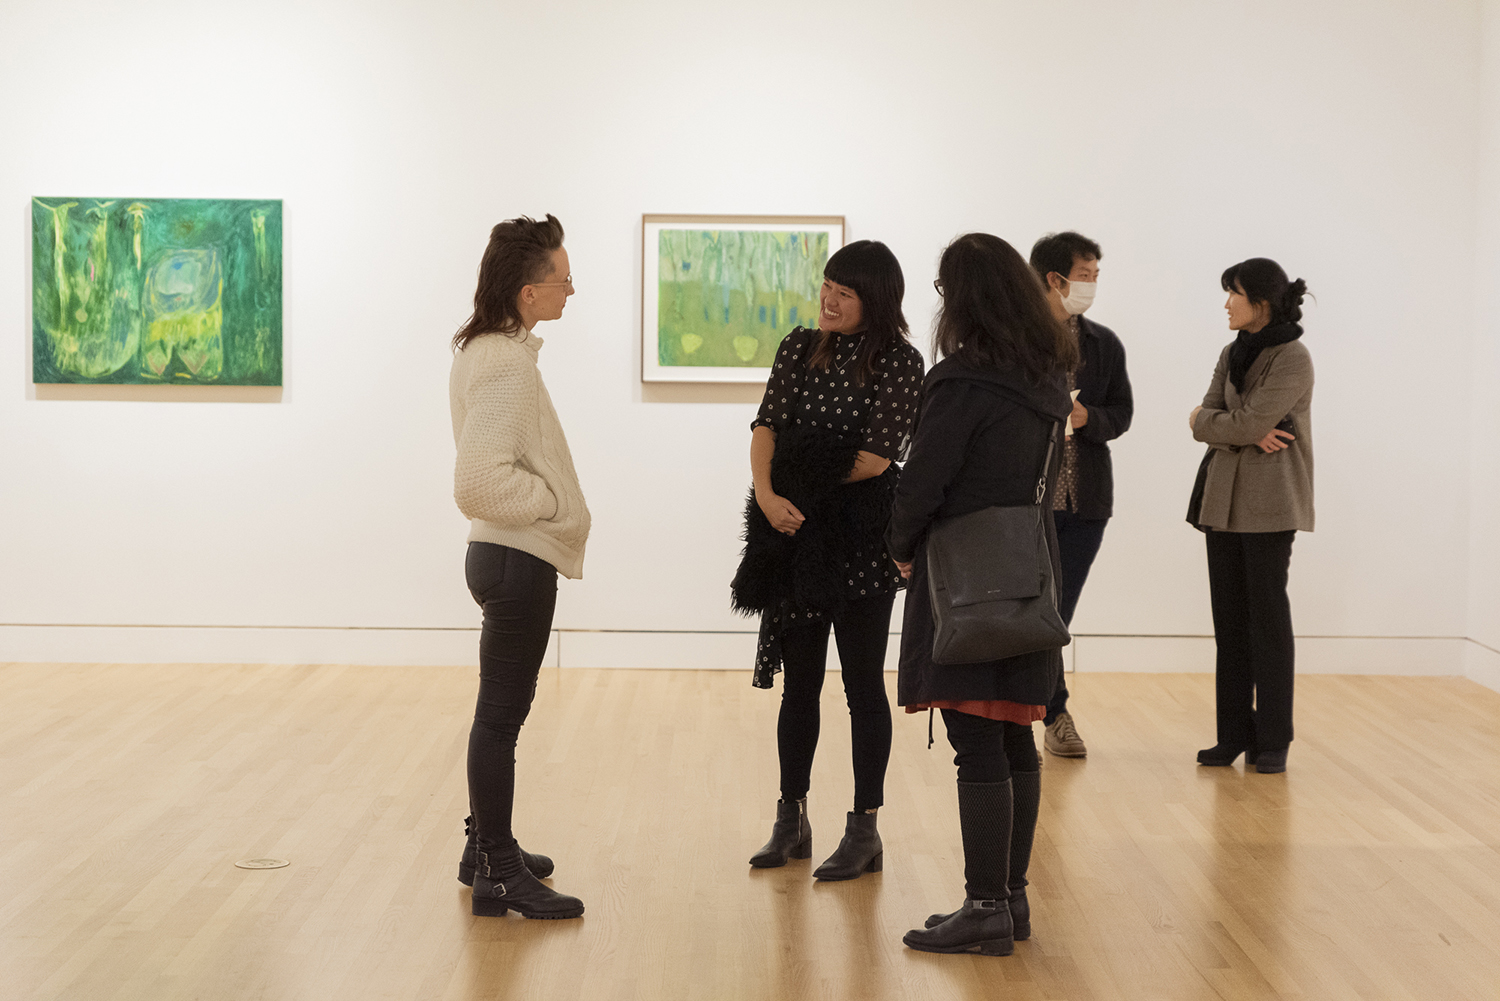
column 1247, row 575
column 989, row 750
column 518, row 592
column 862, row 631
column 1078, row 542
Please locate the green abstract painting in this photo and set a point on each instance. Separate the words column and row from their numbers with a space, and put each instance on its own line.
column 156, row 291
column 724, row 297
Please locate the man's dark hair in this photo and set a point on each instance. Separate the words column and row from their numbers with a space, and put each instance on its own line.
column 1060, row 251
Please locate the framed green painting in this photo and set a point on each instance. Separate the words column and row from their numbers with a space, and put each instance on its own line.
column 165, row 291
column 718, row 293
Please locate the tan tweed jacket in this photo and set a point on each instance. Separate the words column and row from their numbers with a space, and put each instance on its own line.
column 1248, row 490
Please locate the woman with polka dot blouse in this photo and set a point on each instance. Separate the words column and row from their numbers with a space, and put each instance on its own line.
column 837, row 413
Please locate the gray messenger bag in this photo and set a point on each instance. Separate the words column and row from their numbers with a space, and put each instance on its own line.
column 989, row 576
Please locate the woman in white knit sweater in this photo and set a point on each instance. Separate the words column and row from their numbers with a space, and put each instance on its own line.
column 514, row 480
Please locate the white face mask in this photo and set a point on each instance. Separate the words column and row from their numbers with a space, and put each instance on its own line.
column 1080, row 297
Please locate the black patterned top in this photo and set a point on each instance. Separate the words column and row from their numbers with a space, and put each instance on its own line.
column 883, row 410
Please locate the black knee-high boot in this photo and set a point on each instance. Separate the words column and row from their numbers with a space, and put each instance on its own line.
column 983, row 924
column 1026, row 797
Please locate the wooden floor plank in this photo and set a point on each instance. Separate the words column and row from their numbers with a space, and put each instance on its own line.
column 1370, row 870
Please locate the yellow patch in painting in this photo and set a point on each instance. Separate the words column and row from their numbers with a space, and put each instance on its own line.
column 691, row 342
column 746, row 347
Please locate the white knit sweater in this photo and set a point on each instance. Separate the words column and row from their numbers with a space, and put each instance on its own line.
column 514, row 478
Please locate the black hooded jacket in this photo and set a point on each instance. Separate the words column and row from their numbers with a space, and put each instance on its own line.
column 980, row 441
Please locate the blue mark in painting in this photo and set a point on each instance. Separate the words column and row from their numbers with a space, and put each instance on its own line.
column 687, row 265
column 762, row 314
column 774, row 311
column 791, row 316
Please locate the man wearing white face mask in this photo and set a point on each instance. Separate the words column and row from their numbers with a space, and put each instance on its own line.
column 1083, row 499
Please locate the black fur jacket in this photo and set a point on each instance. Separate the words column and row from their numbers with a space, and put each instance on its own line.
column 806, row 570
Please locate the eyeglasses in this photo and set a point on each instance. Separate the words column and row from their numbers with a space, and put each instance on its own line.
column 937, row 283
column 568, row 281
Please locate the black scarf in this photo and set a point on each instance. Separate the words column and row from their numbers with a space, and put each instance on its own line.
column 1247, row 347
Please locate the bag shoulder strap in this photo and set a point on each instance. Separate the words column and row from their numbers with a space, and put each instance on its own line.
column 1041, row 481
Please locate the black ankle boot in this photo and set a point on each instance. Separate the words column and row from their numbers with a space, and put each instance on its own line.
column 791, row 836
column 860, row 851
column 503, row 883
column 1270, row 762
column 539, row 866
column 981, row 926
column 1223, row 755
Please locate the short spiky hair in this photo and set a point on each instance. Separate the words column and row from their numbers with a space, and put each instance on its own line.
column 1058, row 252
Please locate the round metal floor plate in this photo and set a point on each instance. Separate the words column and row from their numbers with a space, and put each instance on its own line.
column 262, row 863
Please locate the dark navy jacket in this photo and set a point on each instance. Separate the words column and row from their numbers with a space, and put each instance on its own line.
column 1104, row 388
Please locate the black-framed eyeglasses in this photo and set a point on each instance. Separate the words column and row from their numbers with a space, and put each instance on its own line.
column 937, row 283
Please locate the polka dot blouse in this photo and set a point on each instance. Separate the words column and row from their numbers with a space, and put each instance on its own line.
column 883, row 409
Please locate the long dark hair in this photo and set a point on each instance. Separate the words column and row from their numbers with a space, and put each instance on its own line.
column 1261, row 279
column 519, row 253
column 872, row 271
column 995, row 312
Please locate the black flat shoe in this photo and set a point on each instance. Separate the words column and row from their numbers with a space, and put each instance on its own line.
column 524, row 895
column 982, row 926
column 1223, row 755
column 1271, row 762
column 504, row 884
column 1020, row 915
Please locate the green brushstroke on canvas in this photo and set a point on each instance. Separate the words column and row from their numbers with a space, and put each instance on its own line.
column 726, row 298
column 156, row 291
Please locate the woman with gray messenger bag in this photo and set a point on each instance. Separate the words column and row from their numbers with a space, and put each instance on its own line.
column 985, row 450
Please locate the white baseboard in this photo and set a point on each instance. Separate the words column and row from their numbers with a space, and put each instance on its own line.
column 678, row 650
column 1442, row 656
column 1482, row 664
column 251, row 645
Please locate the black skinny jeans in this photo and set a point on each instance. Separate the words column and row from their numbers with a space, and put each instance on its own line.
column 518, row 592
column 989, row 750
column 862, row 631
column 1247, row 574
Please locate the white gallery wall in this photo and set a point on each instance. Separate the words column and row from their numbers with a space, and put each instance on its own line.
column 1342, row 138
column 1484, row 424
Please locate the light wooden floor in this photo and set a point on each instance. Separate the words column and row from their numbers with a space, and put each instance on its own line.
column 1370, row 870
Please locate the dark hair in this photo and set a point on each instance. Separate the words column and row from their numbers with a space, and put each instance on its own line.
column 995, row 312
column 1059, row 251
column 872, row 271
column 1261, row 279
column 519, row 253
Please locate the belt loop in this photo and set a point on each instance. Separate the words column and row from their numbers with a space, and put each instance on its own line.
column 929, row 728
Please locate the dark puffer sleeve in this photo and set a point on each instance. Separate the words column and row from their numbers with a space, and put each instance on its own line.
column 785, row 385
column 898, row 390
